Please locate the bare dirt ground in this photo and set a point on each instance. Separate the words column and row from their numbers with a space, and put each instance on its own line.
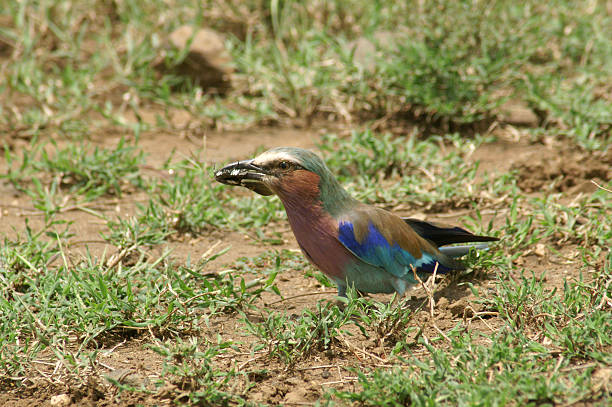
column 127, row 360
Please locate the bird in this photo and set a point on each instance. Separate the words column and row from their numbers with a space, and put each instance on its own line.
column 354, row 244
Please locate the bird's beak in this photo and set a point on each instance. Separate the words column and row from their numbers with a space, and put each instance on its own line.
column 245, row 174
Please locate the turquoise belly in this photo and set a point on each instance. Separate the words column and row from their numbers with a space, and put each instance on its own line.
column 369, row 279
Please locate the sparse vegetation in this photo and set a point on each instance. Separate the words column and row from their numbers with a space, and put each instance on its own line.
column 128, row 276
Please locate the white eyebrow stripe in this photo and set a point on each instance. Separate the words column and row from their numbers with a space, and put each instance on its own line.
column 271, row 156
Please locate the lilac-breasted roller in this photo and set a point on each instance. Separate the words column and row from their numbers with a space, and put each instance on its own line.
column 354, row 244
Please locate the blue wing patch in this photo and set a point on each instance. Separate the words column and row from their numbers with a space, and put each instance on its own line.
column 376, row 250
column 346, row 234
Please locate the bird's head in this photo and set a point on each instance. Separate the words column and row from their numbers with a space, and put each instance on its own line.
column 278, row 171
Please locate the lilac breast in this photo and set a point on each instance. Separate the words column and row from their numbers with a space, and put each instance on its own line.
column 316, row 233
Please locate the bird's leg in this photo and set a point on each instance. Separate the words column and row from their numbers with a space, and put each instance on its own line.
column 340, row 300
column 400, row 287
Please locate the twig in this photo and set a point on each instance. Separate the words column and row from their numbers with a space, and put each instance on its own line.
column 42, row 362
column 108, row 367
column 316, row 367
column 428, row 174
column 429, row 291
column 601, row 187
column 484, row 210
column 11, row 206
column 87, row 207
column 479, row 315
column 365, row 352
column 300, row 295
column 91, row 241
column 243, row 364
column 441, row 333
column 164, row 174
column 352, row 379
column 233, row 355
column 111, row 350
column 117, row 257
column 578, row 367
column 430, row 294
column 210, row 250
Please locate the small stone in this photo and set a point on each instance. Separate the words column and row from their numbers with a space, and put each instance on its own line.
column 60, row 400
column 540, row 250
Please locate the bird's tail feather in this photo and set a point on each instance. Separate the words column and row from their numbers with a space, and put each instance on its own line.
column 458, row 251
column 442, row 235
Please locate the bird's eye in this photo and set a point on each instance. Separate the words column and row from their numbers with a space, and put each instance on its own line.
column 283, row 165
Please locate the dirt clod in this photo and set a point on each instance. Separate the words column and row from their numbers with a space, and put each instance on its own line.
column 565, row 171
column 208, row 62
